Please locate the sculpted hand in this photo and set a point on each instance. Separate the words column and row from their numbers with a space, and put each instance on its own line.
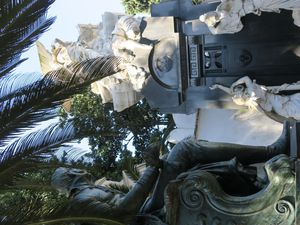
column 151, row 156
column 221, row 87
column 244, row 80
column 211, row 18
column 274, row 90
column 133, row 70
column 214, row 87
column 134, row 35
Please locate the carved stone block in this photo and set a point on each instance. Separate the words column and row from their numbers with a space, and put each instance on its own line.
column 198, row 199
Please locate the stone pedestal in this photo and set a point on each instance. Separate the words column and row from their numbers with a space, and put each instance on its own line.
column 198, row 198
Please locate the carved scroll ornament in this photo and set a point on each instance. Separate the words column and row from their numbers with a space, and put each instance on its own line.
column 199, row 199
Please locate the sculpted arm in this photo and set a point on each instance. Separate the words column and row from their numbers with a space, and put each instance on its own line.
column 284, row 87
column 136, row 197
column 221, row 87
column 244, row 80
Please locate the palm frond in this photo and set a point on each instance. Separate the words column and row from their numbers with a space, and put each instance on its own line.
column 89, row 211
column 31, row 147
column 130, row 170
column 72, row 154
column 25, row 123
column 25, row 174
column 17, row 84
column 9, row 68
column 56, row 86
column 21, row 23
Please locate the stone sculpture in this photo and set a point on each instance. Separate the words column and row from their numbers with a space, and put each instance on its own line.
column 227, row 17
column 90, row 199
column 126, row 37
column 118, row 35
column 202, row 182
column 203, row 201
column 278, row 106
column 190, row 152
column 64, row 53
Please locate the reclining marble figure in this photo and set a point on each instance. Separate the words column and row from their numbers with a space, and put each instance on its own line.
column 277, row 106
column 227, row 17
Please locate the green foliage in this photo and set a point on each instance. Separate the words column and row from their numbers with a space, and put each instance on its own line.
column 24, row 194
column 29, row 198
column 138, row 6
column 111, row 134
column 25, row 191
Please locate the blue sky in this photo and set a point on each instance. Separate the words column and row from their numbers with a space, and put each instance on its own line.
column 69, row 14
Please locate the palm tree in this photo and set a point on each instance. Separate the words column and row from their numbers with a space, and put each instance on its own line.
column 33, row 103
column 21, row 24
column 22, row 106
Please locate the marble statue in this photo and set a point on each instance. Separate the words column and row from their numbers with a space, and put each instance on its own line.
column 118, row 35
column 91, row 37
column 227, row 17
column 126, row 37
column 124, row 88
column 65, row 53
column 248, row 93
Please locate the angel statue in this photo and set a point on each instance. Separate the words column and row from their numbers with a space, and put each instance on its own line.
column 227, row 17
column 279, row 107
column 117, row 35
column 119, row 39
column 126, row 37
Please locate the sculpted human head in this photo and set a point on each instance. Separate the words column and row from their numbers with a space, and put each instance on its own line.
column 88, row 32
column 240, row 94
column 131, row 26
column 134, row 33
column 68, row 180
column 65, row 179
column 60, row 52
